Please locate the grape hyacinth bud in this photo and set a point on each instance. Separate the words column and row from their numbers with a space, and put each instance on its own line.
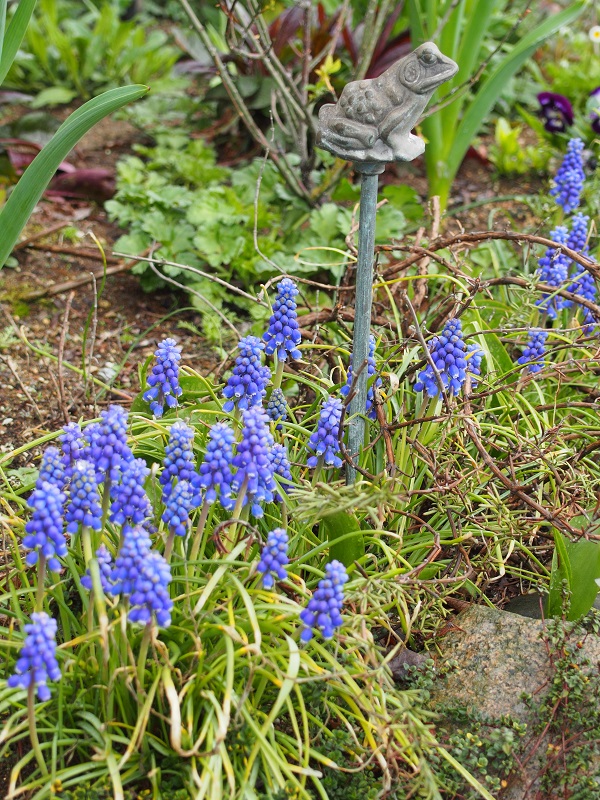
column 150, row 594
column 274, row 557
column 371, row 370
column 130, row 501
column 325, row 440
column 179, row 505
column 281, row 468
column 554, row 271
column 283, row 335
column 323, row 610
column 83, row 507
column 163, row 381
column 105, row 564
column 44, row 531
column 534, row 350
column 248, row 383
column 215, row 471
column 448, row 352
column 253, row 461
column 37, row 658
column 134, row 550
column 108, row 448
column 52, row 468
column 73, row 445
column 569, row 180
column 277, row 407
column 179, row 463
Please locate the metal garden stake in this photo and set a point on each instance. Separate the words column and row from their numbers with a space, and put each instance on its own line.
column 371, row 125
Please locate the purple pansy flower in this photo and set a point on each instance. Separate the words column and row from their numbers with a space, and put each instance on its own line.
column 556, row 111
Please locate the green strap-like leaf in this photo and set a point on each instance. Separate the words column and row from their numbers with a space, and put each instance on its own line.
column 14, row 35
column 36, row 177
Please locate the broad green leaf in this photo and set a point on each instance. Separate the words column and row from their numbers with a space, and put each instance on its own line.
column 582, row 561
column 53, row 96
column 36, row 177
column 15, row 33
column 342, row 546
column 561, row 571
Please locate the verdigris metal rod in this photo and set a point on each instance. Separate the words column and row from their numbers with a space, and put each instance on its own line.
column 371, row 125
column 362, row 308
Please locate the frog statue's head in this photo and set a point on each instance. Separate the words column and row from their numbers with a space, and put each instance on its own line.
column 425, row 69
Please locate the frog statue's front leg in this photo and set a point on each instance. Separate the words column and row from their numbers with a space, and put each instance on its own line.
column 395, row 132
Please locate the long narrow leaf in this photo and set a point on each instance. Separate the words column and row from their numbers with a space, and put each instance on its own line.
column 2, row 25
column 492, row 88
column 36, row 177
column 14, row 35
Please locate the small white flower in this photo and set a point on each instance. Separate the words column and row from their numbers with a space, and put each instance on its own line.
column 594, row 33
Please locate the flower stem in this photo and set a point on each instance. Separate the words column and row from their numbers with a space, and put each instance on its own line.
column 143, row 655
column 169, row 546
column 278, row 375
column 237, row 511
column 198, row 537
column 318, row 469
column 35, row 742
column 105, row 501
column 39, row 595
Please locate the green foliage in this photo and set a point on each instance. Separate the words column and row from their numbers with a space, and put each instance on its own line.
column 76, row 49
column 510, row 157
column 575, row 569
column 467, row 37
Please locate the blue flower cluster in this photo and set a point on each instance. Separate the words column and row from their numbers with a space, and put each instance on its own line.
column 248, row 383
column 84, row 501
column 584, row 283
column 448, row 353
column 163, row 381
column 179, row 463
column 44, row 531
column 324, row 442
column 215, row 471
column 52, row 468
column 108, row 449
column 130, row 501
column 323, row 610
column 283, row 335
column 554, row 271
column 569, row 180
column 105, row 564
column 281, row 468
column 37, row 658
column 73, row 445
column 474, row 358
column 277, row 409
column 535, row 350
column 371, row 370
column 274, row 558
column 178, row 507
column 253, row 461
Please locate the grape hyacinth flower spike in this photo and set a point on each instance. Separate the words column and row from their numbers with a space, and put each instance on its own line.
column 281, row 468
column 108, row 449
column 150, row 596
column 324, row 442
column 52, row 468
column 177, row 511
column 584, row 283
column 569, row 180
column 283, row 335
column 37, row 659
column 179, row 463
column 215, row 471
column 274, row 558
column 554, row 271
column 248, row 383
column 130, row 501
column 323, row 610
column 45, row 530
column 163, row 381
column 105, row 565
column 73, row 446
column 83, row 507
column 448, row 352
column 254, row 478
column 534, row 350
column 277, row 408
column 474, row 358
column 371, row 370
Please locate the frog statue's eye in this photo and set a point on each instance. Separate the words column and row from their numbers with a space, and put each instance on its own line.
column 428, row 57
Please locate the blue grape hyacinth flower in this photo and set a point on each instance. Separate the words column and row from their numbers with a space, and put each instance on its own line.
column 37, row 662
column 554, row 271
column 247, row 385
column 108, row 449
column 45, row 530
column 323, row 610
column 274, row 558
column 281, row 468
column 73, row 446
column 150, row 596
column 216, row 473
column 134, row 550
column 179, row 462
column 534, row 350
column 52, row 468
column 283, row 335
column 584, row 283
column 130, row 501
column 178, row 507
column 163, row 381
column 83, row 507
column 277, row 409
column 371, row 370
column 448, row 353
column 105, row 564
column 474, row 356
column 253, row 461
column 569, row 180
column 324, row 442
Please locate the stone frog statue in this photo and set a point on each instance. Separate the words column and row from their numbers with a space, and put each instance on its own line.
column 373, row 119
